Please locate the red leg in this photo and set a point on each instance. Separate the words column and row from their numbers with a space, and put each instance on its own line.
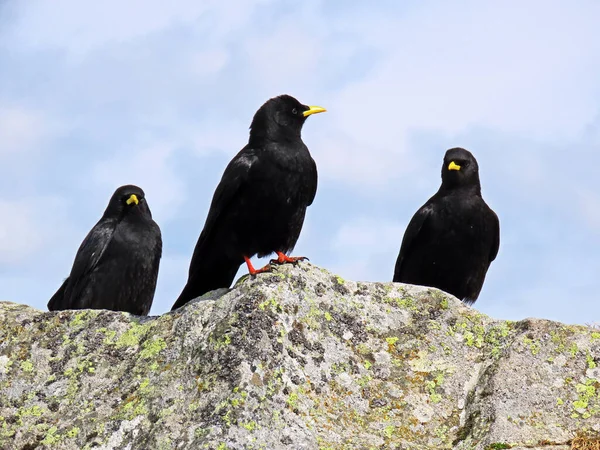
column 282, row 258
column 254, row 271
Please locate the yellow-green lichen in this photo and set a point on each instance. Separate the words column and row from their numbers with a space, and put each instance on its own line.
column 473, row 333
column 272, row 304
column 27, row 366
column 221, row 342
column 250, row 426
column 391, row 340
column 109, row 335
column 134, row 406
column 533, row 345
column 434, row 325
column 573, row 349
column 164, row 443
column 441, row 432
column 590, row 361
column 152, row 347
column 32, row 411
column 79, row 319
column 132, row 336
column 389, row 431
column 431, row 385
column 363, row 349
column 201, row 432
column 364, row 380
column 447, row 349
column 144, row 385
column 312, row 319
column 52, row 437
column 403, row 303
column 587, row 404
column 292, row 400
column 6, row 431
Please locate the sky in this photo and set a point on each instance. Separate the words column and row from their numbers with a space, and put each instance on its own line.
column 94, row 95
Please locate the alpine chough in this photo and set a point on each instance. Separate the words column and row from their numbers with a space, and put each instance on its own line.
column 117, row 264
column 259, row 205
column 452, row 239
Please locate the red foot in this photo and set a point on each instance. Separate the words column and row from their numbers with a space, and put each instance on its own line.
column 283, row 258
column 254, row 271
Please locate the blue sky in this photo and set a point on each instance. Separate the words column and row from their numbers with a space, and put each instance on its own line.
column 96, row 95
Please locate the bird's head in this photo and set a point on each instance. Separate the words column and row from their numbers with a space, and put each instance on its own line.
column 281, row 117
column 459, row 169
column 128, row 199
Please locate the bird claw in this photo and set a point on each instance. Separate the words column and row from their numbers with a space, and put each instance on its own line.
column 283, row 259
column 264, row 269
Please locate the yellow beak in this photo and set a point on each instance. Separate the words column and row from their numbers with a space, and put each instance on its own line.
column 132, row 199
column 313, row 110
column 453, row 166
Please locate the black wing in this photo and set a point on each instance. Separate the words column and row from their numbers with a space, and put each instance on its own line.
column 236, row 175
column 496, row 241
column 88, row 256
column 410, row 235
column 313, row 182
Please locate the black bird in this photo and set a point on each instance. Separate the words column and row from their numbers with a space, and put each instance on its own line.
column 259, row 205
column 453, row 238
column 117, row 264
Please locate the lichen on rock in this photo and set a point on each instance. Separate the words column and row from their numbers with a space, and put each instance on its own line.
column 298, row 359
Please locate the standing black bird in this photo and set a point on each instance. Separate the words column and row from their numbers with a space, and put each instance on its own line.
column 453, row 238
column 259, row 205
column 117, row 264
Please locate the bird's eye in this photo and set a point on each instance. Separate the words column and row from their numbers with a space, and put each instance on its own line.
column 294, row 111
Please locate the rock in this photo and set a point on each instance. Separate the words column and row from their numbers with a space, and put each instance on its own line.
column 295, row 359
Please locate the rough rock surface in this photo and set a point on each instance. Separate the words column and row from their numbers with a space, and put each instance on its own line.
column 296, row 359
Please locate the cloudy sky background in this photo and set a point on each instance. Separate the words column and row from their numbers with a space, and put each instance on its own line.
column 96, row 95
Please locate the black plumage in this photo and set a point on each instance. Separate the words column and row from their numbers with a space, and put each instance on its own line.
column 452, row 239
column 117, row 263
column 259, row 205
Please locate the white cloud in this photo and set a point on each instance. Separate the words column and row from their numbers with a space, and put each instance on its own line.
column 152, row 80
column 149, row 167
column 79, row 27
column 366, row 248
column 29, row 225
column 208, row 62
column 228, row 136
column 19, row 237
column 447, row 69
column 171, row 279
column 588, row 203
column 363, row 234
column 21, row 130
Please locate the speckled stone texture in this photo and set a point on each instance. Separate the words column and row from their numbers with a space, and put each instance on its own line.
column 295, row 359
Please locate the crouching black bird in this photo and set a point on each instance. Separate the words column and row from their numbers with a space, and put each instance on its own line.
column 451, row 241
column 117, row 264
column 259, row 205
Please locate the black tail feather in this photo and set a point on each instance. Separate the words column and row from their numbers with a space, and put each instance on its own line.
column 56, row 303
column 217, row 274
